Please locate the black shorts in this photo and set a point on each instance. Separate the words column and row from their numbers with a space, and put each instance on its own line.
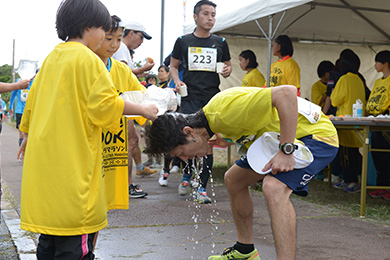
column 18, row 118
column 65, row 247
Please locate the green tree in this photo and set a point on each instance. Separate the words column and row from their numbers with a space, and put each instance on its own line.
column 6, row 76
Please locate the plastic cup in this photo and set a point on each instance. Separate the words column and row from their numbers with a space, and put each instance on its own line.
column 183, row 91
column 220, row 67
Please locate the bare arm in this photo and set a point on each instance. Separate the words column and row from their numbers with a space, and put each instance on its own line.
column 284, row 99
column 227, row 69
column 147, row 111
column 7, row 87
column 174, row 69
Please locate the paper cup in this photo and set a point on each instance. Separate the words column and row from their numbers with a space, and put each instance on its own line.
column 220, row 67
column 183, row 91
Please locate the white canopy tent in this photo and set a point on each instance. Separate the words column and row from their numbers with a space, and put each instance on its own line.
column 320, row 29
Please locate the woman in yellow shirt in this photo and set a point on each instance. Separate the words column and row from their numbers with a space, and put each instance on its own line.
column 253, row 77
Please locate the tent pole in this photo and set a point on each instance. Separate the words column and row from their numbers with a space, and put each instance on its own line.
column 269, row 38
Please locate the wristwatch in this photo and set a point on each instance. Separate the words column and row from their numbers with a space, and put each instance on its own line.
column 288, row 148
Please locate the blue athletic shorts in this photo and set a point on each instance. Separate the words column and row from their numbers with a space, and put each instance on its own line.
column 298, row 179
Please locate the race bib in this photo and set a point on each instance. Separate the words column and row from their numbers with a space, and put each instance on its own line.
column 202, row 59
column 23, row 95
column 309, row 110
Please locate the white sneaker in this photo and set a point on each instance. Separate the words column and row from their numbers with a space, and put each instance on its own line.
column 163, row 180
column 334, row 178
column 156, row 165
column 184, row 188
column 175, row 169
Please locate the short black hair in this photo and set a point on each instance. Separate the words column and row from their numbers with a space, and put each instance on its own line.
column 383, row 57
column 115, row 23
column 166, row 132
column 248, row 54
column 150, row 76
column 166, row 68
column 286, row 47
column 349, row 62
column 199, row 4
column 74, row 16
column 324, row 67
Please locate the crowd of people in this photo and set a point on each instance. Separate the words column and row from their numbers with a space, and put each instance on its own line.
column 92, row 147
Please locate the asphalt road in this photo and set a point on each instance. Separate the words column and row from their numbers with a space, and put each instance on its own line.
column 165, row 225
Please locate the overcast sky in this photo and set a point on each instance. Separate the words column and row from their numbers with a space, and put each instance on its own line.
column 32, row 24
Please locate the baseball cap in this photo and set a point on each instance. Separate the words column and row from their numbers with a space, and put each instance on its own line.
column 136, row 26
column 266, row 147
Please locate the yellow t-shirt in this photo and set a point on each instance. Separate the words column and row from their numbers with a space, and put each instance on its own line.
column 348, row 89
column 285, row 72
column 379, row 101
column 253, row 78
column 246, row 111
column 70, row 101
column 115, row 143
column 318, row 90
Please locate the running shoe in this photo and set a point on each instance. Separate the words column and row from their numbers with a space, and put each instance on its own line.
column 377, row 193
column 201, row 196
column 352, row 187
column 175, row 169
column 136, row 192
column 386, row 196
column 340, row 185
column 184, row 188
column 231, row 253
column 163, row 180
column 145, row 172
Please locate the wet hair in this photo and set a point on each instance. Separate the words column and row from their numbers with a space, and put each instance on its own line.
column 166, row 132
column 383, row 57
column 349, row 62
column 248, row 54
column 74, row 16
column 286, row 47
column 166, row 68
column 324, row 67
column 199, row 4
column 115, row 23
column 150, row 76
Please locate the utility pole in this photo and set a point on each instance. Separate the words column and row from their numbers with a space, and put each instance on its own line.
column 13, row 61
column 162, row 31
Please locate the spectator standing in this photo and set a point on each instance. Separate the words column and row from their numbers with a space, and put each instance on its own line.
column 284, row 71
column 198, row 53
column 318, row 90
column 379, row 104
column 253, row 77
column 133, row 37
column 62, row 187
column 3, row 109
column 349, row 88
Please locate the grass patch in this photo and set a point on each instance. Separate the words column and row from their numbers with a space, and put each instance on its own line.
column 377, row 210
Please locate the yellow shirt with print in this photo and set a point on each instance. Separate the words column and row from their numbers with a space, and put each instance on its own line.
column 253, row 78
column 71, row 100
column 285, row 72
column 115, row 143
column 246, row 111
column 379, row 101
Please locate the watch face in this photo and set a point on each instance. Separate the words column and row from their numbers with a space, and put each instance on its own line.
column 288, row 148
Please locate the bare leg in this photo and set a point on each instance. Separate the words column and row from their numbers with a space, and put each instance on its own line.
column 132, row 142
column 237, row 180
column 283, row 217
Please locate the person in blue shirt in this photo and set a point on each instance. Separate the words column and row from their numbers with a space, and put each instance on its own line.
column 3, row 108
column 21, row 96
